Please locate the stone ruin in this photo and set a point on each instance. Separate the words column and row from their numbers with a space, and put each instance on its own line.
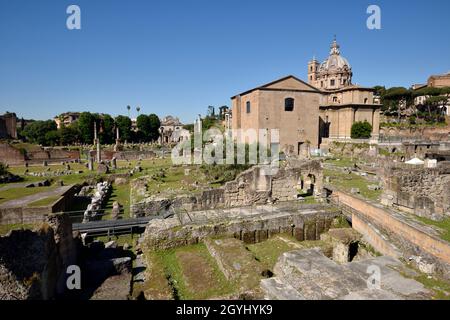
column 310, row 275
column 418, row 190
column 33, row 263
column 251, row 225
column 251, row 187
column 95, row 207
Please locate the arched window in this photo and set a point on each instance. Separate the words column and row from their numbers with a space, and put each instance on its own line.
column 289, row 104
column 248, row 106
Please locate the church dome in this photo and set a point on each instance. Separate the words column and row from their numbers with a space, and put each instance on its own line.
column 335, row 61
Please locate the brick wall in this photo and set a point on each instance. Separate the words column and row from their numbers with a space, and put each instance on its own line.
column 394, row 223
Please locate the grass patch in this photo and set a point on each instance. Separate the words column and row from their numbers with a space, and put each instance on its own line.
column 121, row 194
column 17, row 193
column 120, row 240
column 444, row 226
column 44, row 202
column 4, row 229
column 268, row 252
column 441, row 288
column 193, row 273
column 347, row 181
column 309, row 200
column 341, row 162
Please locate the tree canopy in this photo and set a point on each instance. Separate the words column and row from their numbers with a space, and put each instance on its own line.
column 36, row 131
column 361, row 130
column 124, row 124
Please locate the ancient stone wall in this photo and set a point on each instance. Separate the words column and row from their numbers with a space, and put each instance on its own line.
column 428, row 133
column 13, row 156
column 246, row 224
column 423, row 191
column 26, row 215
column 412, row 239
column 33, row 263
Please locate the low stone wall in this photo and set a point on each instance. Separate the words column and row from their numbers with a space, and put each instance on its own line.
column 10, row 155
column 27, row 215
column 372, row 235
column 135, row 155
column 13, row 156
column 427, row 133
column 412, row 239
column 251, row 225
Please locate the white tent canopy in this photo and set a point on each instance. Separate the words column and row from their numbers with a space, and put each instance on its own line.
column 415, row 161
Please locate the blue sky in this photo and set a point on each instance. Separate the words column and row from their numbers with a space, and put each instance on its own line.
column 178, row 57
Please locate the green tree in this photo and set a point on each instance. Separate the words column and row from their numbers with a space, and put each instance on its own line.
column 155, row 124
column 124, row 125
column 86, row 127
column 69, row 135
column 106, row 134
column 36, row 131
column 380, row 90
column 361, row 130
column 52, row 138
column 397, row 100
column 144, row 126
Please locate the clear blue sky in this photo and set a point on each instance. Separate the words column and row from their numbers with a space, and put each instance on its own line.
column 178, row 57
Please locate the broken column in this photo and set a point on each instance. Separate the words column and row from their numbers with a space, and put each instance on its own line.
column 114, row 163
column 90, row 163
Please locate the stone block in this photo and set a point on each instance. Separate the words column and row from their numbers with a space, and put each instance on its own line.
column 298, row 234
column 310, row 230
column 248, row 237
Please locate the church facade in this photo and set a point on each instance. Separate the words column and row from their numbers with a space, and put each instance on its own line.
column 307, row 114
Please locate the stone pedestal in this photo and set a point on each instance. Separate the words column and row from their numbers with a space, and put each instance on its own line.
column 91, row 164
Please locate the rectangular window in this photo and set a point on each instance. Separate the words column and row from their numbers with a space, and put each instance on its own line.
column 248, row 106
column 332, row 82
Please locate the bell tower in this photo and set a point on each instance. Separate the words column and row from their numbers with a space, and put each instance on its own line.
column 313, row 69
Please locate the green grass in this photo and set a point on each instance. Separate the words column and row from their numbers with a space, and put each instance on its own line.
column 309, row 200
column 174, row 272
column 5, row 228
column 120, row 193
column 342, row 162
column 268, row 252
column 44, row 202
column 346, row 182
column 121, row 239
column 444, row 226
column 17, row 193
column 441, row 288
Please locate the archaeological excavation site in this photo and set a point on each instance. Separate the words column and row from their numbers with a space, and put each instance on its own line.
column 197, row 158
column 296, row 234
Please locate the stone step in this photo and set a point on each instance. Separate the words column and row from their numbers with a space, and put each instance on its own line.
column 308, row 274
